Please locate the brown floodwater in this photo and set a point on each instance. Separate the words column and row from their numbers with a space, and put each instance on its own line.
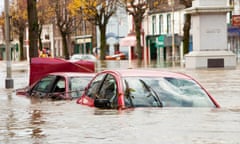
column 34, row 121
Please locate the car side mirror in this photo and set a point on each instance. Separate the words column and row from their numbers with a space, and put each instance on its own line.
column 102, row 103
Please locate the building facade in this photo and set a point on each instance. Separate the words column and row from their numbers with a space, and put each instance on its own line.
column 234, row 28
column 161, row 34
column 166, row 21
column 165, row 29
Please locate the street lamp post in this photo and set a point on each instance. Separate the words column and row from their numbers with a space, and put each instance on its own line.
column 84, row 31
column 9, row 80
column 84, row 39
column 173, row 35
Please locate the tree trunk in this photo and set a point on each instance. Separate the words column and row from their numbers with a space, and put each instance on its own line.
column 186, row 33
column 39, row 38
column 21, row 41
column 65, row 45
column 33, row 28
column 69, row 45
column 103, row 42
column 138, row 38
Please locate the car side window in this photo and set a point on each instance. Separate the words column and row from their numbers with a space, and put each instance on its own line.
column 60, row 85
column 77, row 85
column 109, row 90
column 93, row 88
column 44, row 85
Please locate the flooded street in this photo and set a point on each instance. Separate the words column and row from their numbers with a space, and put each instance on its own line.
column 33, row 121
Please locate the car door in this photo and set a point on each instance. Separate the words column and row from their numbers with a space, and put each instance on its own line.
column 108, row 91
column 92, row 91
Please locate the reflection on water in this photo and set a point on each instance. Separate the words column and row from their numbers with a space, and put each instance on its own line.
column 34, row 121
column 125, row 64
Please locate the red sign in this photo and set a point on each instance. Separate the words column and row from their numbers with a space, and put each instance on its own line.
column 236, row 20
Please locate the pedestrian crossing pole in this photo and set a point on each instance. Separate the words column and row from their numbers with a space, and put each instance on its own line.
column 9, row 80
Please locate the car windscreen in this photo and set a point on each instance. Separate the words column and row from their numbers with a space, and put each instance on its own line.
column 165, row 92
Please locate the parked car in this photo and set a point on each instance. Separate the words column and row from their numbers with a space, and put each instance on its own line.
column 120, row 89
column 58, row 86
column 119, row 56
column 88, row 57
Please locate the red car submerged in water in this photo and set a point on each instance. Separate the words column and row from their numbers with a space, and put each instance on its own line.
column 57, row 79
column 58, row 86
column 120, row 89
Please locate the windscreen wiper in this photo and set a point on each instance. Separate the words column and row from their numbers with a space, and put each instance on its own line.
column 154, row 94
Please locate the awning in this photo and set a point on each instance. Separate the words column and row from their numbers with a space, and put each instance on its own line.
column 128, row 41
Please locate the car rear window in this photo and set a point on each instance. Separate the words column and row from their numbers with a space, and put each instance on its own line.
column 77, row 85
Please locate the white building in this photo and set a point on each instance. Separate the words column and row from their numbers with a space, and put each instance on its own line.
column 166, row 24
column 117, row 28
column 164, row 30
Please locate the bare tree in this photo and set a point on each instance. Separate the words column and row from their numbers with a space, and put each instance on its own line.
column 33, row 27
column 67, row 24
column 137, row 8
column 45, row 16
column 98, row 13
column 19, row 21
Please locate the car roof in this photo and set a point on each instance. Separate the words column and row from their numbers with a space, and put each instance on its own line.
column 149, row 73
column 72, row 74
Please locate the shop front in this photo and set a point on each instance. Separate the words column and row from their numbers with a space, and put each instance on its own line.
column 83, row 45
column 161, row 46
column 14, row 52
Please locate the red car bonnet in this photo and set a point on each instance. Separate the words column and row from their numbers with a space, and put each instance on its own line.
column 42, row 66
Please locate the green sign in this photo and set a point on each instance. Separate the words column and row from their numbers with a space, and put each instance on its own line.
column 161, row 41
